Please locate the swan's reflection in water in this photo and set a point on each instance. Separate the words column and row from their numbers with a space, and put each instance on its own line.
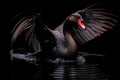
column 73, row 72
column 78, row 72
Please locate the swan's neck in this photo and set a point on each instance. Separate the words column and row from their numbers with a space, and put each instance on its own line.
column 71, row 44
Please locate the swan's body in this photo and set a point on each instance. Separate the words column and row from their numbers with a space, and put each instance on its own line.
column 78, row 28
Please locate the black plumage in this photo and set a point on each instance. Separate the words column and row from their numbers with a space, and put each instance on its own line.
column 79, row 27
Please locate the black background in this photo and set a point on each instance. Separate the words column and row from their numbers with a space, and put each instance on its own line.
column 54, row 12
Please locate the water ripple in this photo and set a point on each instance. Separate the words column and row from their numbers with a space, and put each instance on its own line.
column 78, row 72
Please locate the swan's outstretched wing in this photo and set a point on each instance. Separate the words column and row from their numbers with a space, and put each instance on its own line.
column 27, row 36
column 27, row 29
column 30, row 37
column 84, row 25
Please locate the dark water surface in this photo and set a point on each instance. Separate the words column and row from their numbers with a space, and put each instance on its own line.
column 49, row 71
column 75, row 72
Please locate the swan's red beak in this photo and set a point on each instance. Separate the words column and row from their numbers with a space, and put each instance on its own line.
column 81, row 24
